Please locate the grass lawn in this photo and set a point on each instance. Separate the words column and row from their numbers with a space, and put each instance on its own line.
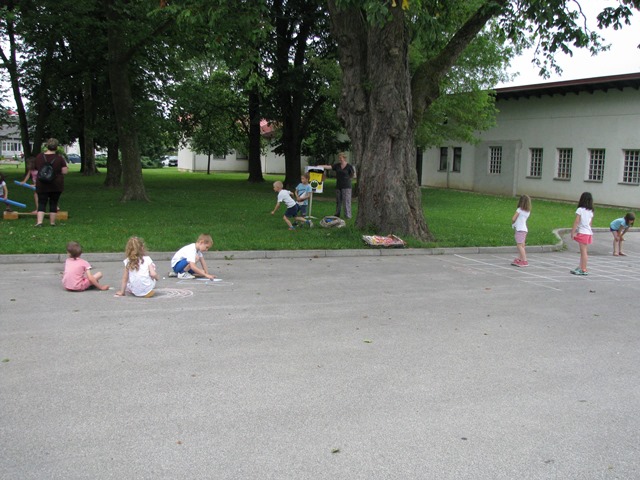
column 237, row 215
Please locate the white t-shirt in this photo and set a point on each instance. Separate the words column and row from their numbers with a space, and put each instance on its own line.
column 520, row 224
column 188, row 252
column 584, row 226
column 140, row 282
column 285, row 196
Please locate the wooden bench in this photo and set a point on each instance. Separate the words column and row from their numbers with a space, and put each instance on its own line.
column 15, row 215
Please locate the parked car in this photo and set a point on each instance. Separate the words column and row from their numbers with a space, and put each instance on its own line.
column 170, row 161
column 73, row 158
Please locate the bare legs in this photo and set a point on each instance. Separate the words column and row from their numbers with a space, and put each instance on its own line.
column 522, row 251
column 583, row 257
column 617, row 244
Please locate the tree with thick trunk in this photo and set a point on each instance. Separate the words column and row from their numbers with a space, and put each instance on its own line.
column 380, row 108
column 382, row 102
column 123, row 106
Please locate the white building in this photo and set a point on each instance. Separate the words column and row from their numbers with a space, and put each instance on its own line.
column 190, row 161
column 10, row 143
column 234, row 162
column 553, row 140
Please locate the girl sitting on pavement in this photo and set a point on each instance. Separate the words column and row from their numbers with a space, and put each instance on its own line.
column 139, row 276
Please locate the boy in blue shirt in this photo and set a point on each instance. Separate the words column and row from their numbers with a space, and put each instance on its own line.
column 618, row 228
column 303, row 193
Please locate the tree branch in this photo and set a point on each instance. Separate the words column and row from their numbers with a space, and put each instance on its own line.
column 425, row 84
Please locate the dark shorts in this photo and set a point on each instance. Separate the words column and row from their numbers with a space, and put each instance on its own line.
column 303, row 210
column 293, row 211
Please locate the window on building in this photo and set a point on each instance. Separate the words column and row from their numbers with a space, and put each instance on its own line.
column 565, row 159
column 596, row 164
column 444, row 153
column 457, row 159
column 241, row 155
column 495, row 160
column 10, row 146
column 631, row 167
column 535, row 162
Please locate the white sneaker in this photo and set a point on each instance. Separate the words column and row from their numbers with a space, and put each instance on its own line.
column 172, row 274
column 185, row 275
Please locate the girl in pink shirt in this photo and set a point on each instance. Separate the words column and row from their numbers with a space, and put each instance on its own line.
column 77, row 274
column 32, row 173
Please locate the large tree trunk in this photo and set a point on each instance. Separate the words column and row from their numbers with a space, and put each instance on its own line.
column 376, row 107
column 255, row 167
column 11, row 64
column 133, row 185
column 291, row 142
column 89, row 117
column 113, row 178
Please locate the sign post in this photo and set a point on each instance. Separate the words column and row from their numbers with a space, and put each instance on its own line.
column 316, row 180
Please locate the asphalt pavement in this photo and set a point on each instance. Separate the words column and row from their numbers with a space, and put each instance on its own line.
column 320, row 365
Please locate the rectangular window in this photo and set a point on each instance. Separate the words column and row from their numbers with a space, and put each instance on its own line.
column 565, row 159
column 9, row 146
column 444, row 153
column 596, row 164
column 535, row 162
column 241, row 155
column 495, row 160
column 457, row 159
column 631, row 167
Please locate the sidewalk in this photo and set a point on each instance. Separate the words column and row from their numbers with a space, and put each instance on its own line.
column 386, row 365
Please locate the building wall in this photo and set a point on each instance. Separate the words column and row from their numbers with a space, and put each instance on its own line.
column 192, row 162
column 10, row 142
column 608, row 120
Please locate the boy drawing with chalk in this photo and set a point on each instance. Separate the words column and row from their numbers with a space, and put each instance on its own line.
column 184, row 263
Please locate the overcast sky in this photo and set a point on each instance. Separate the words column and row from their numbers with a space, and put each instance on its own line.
column 623, row 57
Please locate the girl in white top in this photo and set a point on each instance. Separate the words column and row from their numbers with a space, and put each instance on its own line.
column 140, row 276
column 519, row 223
column 581, row 231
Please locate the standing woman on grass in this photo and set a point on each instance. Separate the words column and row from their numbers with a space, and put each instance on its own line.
column 581, row 231
column 49, row 192
column 345, row 172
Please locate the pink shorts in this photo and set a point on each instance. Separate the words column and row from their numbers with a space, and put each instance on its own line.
column 84, row 284
column 521, row 236
column 583, row 238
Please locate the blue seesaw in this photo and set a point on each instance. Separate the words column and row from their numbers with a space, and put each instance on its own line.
column 11, row 202
column 25, row 185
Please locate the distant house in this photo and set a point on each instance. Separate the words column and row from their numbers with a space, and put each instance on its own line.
column 10, row 141
column 553, row 140
column 190, row 161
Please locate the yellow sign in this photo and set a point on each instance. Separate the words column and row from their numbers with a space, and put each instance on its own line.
column 316, row 178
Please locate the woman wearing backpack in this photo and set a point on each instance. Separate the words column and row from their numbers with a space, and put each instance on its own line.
column 52, row 168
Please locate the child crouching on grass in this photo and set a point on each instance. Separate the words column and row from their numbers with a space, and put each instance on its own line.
column 293, row 209
column 140, row 276
column 77, row 275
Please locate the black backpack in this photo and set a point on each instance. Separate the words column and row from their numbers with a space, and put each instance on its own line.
column 46, row 174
